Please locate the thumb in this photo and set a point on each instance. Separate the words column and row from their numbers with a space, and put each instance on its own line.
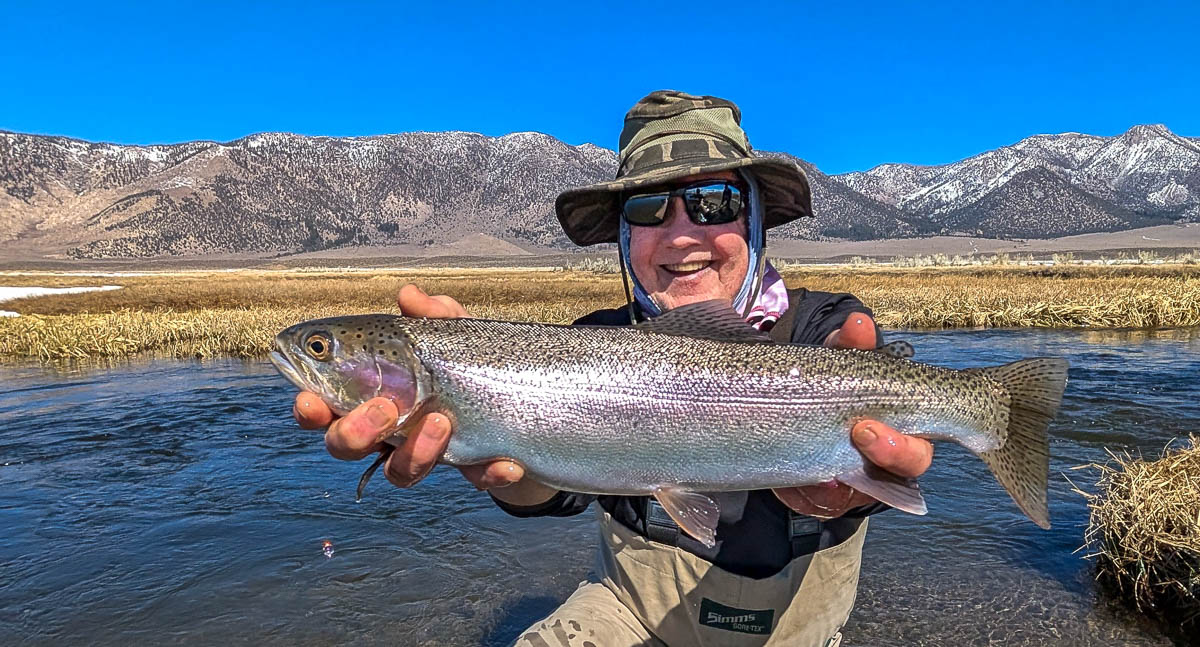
column 858, row 332
column 414, row 302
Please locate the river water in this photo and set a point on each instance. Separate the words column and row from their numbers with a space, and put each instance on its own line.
column 177, row 502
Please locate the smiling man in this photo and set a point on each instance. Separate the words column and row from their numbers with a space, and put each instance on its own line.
column 689, row 210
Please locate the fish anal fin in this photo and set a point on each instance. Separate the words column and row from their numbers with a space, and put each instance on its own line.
column 695, row 513
column 896, row 491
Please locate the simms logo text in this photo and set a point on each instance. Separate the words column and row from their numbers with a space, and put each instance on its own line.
column 714, row 618
column 747, row 621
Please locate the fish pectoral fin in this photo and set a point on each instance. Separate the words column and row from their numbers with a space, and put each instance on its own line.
column 693, row 512
column 409, row 421
column 896, row 491
column 370, row 471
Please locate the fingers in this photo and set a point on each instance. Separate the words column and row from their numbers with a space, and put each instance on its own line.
column 496, row 474
column 354, row 436
column 452, row 308
column 310, row 412
column 858, row 332
column 414, row 302
column 893, row 451
column 420, row 451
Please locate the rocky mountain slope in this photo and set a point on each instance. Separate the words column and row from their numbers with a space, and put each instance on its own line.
column 277, row 193
column 1049, row 185
column 280, row 193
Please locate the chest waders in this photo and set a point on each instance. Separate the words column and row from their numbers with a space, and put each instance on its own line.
column 685, row 600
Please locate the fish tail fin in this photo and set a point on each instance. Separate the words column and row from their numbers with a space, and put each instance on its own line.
column 1022, row 464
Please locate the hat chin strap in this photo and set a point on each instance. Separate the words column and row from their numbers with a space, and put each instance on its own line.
column 756, row 244
column 751, row 286
column 625, row 276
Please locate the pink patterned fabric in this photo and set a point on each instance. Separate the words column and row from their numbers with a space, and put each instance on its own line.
column 772, row 300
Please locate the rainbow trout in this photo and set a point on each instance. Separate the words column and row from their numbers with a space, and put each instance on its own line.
column 693, row 401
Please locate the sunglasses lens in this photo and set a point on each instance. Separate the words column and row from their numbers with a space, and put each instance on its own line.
column 715, row 204
column 706, row 204
column 646, row 210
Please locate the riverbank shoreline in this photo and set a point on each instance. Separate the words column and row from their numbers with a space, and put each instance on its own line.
column 236, row 313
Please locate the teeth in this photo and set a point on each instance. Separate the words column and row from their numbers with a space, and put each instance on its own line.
column 687, row 267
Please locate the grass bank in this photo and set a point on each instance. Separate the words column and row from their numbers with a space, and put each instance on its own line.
column 1144, row 531
column 204, row 314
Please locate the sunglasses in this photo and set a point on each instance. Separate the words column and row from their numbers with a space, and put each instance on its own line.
column 707, row 202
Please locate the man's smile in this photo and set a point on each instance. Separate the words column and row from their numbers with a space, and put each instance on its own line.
column 684, row 269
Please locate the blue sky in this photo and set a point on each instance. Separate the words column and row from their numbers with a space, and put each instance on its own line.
column 843, row 88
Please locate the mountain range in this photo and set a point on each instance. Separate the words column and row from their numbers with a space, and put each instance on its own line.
column 279, row 193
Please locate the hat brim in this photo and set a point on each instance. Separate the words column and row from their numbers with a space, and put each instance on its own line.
column 590, row 215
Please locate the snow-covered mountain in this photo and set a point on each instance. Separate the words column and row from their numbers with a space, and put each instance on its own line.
column 283, row 193
column 1148, row 175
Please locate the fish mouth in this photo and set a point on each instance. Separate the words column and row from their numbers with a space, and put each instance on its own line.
column 284, row 366
column 300, row 373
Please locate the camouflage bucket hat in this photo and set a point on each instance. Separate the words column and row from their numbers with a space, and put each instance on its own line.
column 670, row 135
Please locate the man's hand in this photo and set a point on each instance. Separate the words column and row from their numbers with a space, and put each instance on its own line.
column 353, row 437
column 893, row 451
column 857, row 332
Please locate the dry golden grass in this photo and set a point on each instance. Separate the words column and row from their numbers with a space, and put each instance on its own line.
column 212, row 314
column 255, row 289
column 1145, row 532
column 236, row 313
column 1102, row 297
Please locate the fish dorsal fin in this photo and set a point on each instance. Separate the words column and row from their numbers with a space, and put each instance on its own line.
column 715, row 320
column 897, row 349
column 695, row 513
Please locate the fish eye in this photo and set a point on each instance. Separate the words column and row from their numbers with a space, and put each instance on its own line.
column 318, row 346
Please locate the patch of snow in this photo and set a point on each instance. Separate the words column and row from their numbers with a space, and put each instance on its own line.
column 9, row 313
column 178, row 181
column 154, row 154
column 1170, row 195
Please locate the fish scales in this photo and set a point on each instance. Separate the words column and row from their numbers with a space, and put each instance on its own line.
column 689, row 402
column 621, row 411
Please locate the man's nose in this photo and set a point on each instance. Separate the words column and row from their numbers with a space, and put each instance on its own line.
column 680, row 229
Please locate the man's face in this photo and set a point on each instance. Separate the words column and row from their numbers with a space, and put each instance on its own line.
column 680, row 262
